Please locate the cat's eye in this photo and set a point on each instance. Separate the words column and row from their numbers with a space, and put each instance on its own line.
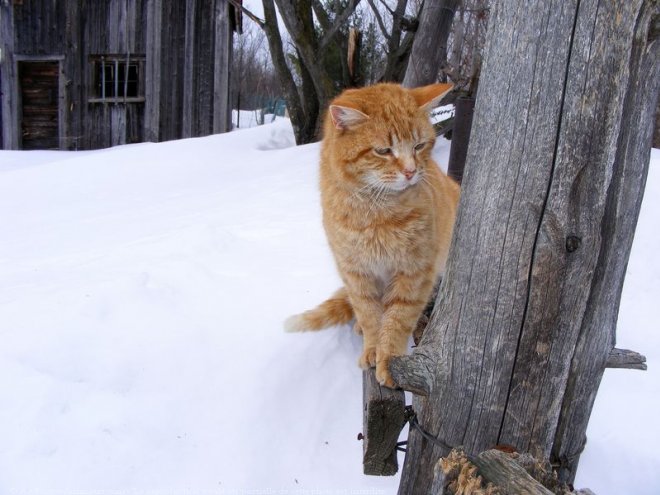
column 419, row 146
column 383, row 151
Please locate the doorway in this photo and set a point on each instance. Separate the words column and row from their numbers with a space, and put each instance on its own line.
column 39, row 88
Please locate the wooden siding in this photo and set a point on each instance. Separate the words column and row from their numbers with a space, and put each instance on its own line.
column 39, row 26
column 189, row 68
column 179, row 44
column 171, row 80
column 1, row 123
column 8, row 86
column 223, row 42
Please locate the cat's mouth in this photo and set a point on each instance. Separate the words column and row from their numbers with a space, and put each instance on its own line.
column 401, row 183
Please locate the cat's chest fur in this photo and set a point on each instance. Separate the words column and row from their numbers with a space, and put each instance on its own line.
column 378, row 243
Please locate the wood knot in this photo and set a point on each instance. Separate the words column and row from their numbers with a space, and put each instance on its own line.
column 573, row 242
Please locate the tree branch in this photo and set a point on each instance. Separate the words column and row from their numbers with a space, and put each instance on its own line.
column 339, row 21
column 623, row 358
column 387, row 7
column 321, row 14
column 379, row 20
column 414, row 372
column 260, row 22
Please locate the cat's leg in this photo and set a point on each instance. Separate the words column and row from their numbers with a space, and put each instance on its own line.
column 403, row 303
column 365, row 297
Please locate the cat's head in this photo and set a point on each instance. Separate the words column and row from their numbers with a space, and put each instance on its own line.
column 381, row 136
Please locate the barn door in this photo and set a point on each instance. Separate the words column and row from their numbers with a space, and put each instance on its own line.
column 39, row 82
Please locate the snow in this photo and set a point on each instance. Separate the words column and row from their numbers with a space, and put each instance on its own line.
column 142, row 350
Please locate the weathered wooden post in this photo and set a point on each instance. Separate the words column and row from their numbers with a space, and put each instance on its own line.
column 524, row 324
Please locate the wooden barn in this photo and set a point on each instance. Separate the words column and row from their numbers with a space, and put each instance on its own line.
column 87, row 74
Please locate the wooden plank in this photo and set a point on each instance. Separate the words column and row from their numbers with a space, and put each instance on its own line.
column 384, row 417
column 8, row 81
column 172, row 54
column 189, row 68
column 153, row 71
column 222, row 64
column 74, row 78
column 205, row 51
column 509, row 477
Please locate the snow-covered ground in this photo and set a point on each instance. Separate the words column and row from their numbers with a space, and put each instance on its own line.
column 142, row 290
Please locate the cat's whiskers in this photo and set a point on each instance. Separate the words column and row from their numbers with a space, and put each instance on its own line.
column 379, row 198
column 374, row 204
column 364, row 194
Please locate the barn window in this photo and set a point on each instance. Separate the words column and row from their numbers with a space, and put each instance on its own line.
column 117, row 79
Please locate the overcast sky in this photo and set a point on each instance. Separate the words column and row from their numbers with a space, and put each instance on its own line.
column 255, row 7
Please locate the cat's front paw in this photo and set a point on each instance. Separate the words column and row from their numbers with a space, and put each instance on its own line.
column 368, row 358
column 383, row 371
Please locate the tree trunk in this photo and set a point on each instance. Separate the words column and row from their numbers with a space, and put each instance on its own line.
column 429, row 50
column 299, row 120
column 524, row 322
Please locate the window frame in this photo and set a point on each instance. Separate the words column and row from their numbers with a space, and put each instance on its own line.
column 116, row 60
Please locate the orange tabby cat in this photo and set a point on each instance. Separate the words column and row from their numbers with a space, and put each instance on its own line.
column 388, row 212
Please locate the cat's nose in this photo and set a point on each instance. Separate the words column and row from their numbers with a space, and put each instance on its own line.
column 409, row 173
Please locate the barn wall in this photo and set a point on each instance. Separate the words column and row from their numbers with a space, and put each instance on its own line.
column 185, row 48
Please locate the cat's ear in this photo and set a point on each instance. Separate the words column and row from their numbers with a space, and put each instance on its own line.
column 346, row 117
column 429, row 96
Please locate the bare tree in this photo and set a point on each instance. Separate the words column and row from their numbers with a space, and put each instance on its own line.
column 254, row 81
column 317, row 68
column 312, row 42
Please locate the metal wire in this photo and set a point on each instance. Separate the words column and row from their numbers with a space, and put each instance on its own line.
column 411, row 418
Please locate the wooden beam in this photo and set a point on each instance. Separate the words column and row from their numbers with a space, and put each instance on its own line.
column 384, row 417
column 506, row 474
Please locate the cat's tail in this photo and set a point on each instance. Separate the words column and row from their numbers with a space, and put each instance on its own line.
column 335, row 311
